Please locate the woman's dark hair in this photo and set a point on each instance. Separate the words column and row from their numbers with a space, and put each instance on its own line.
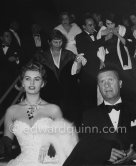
column 34, row 66
column 112, row 17
column 57, row 35
column 64, row 13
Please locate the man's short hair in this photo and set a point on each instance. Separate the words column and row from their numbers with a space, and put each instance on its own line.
column 110, row 68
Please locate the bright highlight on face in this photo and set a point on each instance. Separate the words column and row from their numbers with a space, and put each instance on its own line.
column 110, row 24
column 109, row 85
column 56, row 43
column 32, row 81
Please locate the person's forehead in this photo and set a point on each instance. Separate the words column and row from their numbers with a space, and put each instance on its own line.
column 109, row 74
column 32, row 73
column 108, row 21
column 65, row 16
column 57, row 40
column 89, row 21
column 7, row 33
column 132, row 16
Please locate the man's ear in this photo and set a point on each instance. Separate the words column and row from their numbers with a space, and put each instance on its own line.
column 120, row 83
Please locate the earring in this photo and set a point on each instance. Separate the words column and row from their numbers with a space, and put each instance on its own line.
column 42, row 85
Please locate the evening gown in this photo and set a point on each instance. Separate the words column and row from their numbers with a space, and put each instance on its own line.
column 44, row 132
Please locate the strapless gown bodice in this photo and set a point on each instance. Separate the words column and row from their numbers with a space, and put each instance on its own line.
column 43, row 132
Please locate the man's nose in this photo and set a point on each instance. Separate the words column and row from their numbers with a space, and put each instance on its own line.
column 107, row 84
column 32, row 82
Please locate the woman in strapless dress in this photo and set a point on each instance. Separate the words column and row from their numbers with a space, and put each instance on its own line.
column 45, row 138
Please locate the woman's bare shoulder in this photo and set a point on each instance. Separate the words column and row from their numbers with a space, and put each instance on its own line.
column 13, row 108
column 52, row 107
column 54, row 110
column 11, row 111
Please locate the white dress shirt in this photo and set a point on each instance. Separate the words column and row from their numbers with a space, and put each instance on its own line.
column 5, row 49
column 91, row 36
column 114, row 115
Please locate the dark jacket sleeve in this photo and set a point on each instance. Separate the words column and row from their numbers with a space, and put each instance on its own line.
column 83, row 45
column 5, row 146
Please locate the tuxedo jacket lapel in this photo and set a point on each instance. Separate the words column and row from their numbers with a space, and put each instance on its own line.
column 110, row 134
column 106, row 117
column 65, row 58
column 121, row 116
column 124, row 116
column 88, row 37
column 49, row 63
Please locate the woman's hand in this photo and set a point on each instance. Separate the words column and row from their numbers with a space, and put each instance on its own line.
column 108, row 36
column 115, row 31
column 80, row 59
column 42, row 153
column 105, row 32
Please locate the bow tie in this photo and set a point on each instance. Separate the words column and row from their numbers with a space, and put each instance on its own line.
column 36, row 35
column 3, row 45
column 117, row 107
column 91, row 35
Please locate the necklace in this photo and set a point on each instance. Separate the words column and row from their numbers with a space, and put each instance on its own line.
column 32, row 108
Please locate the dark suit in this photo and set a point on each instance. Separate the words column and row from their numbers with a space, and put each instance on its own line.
column 96, row 144
column 100, row 118
column 8, row 70
column 61, row 87
column 14, row 39
column 30, row 48
column 88, row 84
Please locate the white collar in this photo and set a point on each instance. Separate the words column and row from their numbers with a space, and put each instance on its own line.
column 117, row 102
column 57, row 64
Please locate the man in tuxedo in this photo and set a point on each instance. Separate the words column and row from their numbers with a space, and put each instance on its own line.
column 9, row 60
column 14, row 27
column 86, row 43
column 108, row 135
column 39, row 38
column 36, row 41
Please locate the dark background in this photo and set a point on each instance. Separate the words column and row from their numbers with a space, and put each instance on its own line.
column 46, row 12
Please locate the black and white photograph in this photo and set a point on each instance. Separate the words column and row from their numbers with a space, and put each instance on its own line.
column 67, row 82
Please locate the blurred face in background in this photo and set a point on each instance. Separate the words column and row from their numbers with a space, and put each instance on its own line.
column 32, row 82
column 89, row 26
column 65, row 20
column 109, row 85
column 36, row 29
column 56, row 43
column 14, row 25
column 7, row 38
column 110, row 24
column 133, row 19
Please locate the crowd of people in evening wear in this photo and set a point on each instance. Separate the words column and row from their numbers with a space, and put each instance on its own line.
column 90, row 71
